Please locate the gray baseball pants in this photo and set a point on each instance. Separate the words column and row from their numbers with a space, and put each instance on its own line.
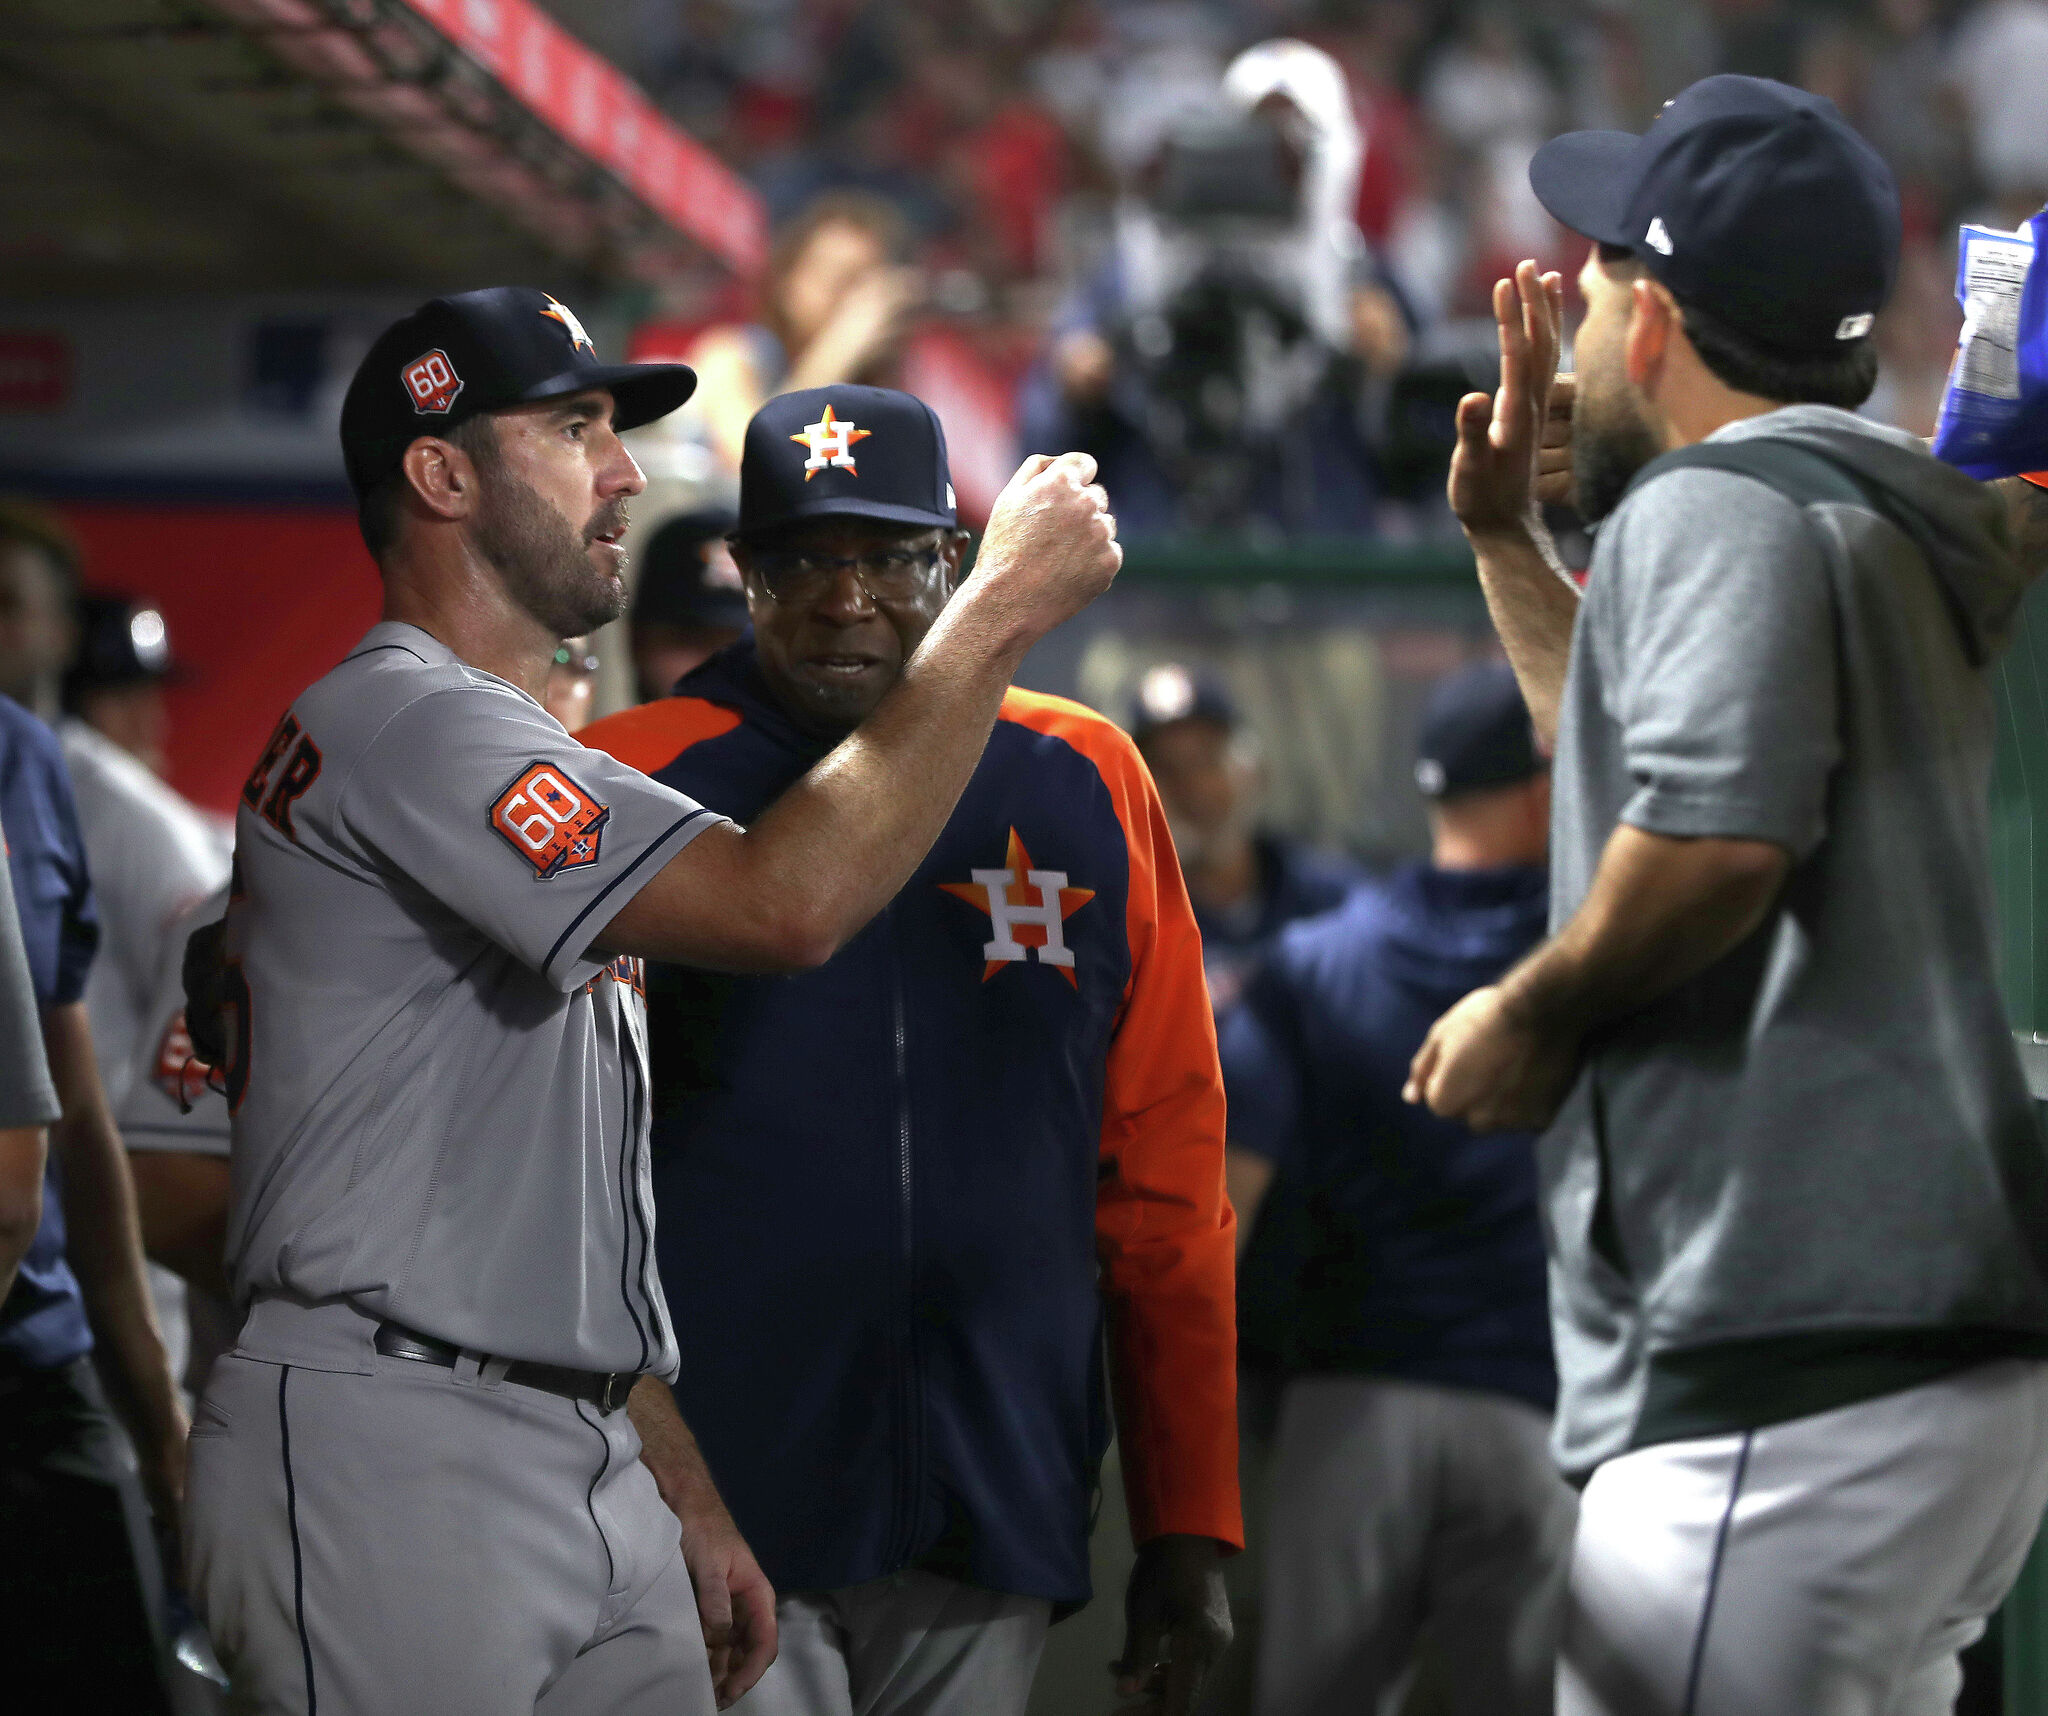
column 1834, row 1564
column 1400, row 1512
column 911, row 1644
column 429, row 1542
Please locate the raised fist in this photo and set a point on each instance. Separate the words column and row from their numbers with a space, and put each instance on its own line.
column 1051, row 544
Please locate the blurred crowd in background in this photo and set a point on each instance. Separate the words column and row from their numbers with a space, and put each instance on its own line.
column 1252, row 283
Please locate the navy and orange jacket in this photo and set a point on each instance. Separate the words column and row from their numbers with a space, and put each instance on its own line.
column 898, row 1196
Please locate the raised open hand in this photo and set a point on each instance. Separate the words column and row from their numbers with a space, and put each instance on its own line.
column 1501, row 467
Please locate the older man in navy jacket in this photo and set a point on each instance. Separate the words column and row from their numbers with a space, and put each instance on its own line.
column 902, row 1197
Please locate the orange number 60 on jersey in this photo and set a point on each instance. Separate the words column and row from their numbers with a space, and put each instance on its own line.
column 549, row 820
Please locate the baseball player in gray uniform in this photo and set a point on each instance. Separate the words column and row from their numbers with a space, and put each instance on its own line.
column 414, row 1488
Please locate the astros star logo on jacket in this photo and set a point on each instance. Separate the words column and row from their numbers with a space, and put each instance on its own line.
column 1018, row 921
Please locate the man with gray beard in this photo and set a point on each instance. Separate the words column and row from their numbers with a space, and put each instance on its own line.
column 1796, row 1197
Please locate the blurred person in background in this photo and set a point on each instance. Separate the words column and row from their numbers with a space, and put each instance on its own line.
column 103, row 661
column 1246, row 883
column 80, row 1576
column 114, row 684
column 835, row 305
column 689, row 601
column 1216, row 364
column 931, row 1176
column 174, row 1122
column 1998, row 65
column 572, row 684
column 152, row 853
column 1394, row 1272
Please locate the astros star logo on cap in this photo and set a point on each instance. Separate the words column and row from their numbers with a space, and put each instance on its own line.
column 560, row 312
column 831, row 443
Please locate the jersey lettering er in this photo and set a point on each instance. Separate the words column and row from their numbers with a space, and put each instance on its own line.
column 440, row 1093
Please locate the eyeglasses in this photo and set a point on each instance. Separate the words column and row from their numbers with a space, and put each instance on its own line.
column 885, row 574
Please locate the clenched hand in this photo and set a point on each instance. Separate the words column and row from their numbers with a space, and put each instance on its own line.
column 1051, row 547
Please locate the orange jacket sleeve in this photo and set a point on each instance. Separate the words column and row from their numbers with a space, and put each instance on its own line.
column 1165, row 1232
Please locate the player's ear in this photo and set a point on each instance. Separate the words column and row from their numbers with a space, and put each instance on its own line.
column 953, row 550
column 442, row 476
column 1653, row 322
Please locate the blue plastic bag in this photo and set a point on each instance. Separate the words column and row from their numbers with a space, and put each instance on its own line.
column 1994, row 411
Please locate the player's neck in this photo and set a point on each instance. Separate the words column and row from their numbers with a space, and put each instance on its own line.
column 465, row 606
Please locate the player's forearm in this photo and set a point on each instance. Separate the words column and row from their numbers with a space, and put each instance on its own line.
column 1173, row 1378
column 182, row 1198
column 838, row 846
column 21, row 1197
column 668, row 1450
column 2026, row 511
column 104, row 1239
column 1246, row 1177
column 1534, row 605
column 1660, row 911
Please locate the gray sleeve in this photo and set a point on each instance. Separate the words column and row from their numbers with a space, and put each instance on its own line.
column 479, row 797
column 27, row 1097
column 1722, row 672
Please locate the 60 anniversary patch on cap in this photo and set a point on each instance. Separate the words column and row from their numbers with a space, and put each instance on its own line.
column 456, row 357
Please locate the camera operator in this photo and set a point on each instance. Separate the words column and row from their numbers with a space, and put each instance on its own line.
column 1217, row 363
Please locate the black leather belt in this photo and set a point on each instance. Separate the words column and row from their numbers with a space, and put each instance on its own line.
column 606, row 1390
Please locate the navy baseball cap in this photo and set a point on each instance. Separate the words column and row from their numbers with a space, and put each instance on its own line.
column 1475, row 733
column 686, row 576
column 844, row 452
column 1751, row 200
column 1171, row 692
column 456, row 357
column 119, row 643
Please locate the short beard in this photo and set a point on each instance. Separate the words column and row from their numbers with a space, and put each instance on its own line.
column 1610, row 444
column 543, row 560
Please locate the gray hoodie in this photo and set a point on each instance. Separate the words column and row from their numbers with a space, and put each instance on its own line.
column 1826, row 1131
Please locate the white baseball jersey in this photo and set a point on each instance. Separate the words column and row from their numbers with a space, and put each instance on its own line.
column 439, row 1095
column 172, row 1103
column 151, row 855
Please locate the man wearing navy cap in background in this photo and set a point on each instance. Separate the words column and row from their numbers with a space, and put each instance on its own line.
column 688, row 602
column 900, row 1196
column 1246, row 883
column 1796, row 1193
column 1395, row 1273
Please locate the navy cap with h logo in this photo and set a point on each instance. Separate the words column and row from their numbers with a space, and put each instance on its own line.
column 1751, row 200
column 844, row 452
column 457, row 357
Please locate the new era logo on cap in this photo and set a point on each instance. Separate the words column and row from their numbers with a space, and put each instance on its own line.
column 431, row 383
column 1791, row 219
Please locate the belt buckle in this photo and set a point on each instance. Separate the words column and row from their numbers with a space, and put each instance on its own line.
column 613, row 1388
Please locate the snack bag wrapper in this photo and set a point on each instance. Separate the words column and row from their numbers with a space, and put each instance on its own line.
column 1994, row 411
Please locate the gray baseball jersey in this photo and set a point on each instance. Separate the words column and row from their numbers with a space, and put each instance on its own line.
column 172, row 1103
column 439, row 1095
column 152, row 854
